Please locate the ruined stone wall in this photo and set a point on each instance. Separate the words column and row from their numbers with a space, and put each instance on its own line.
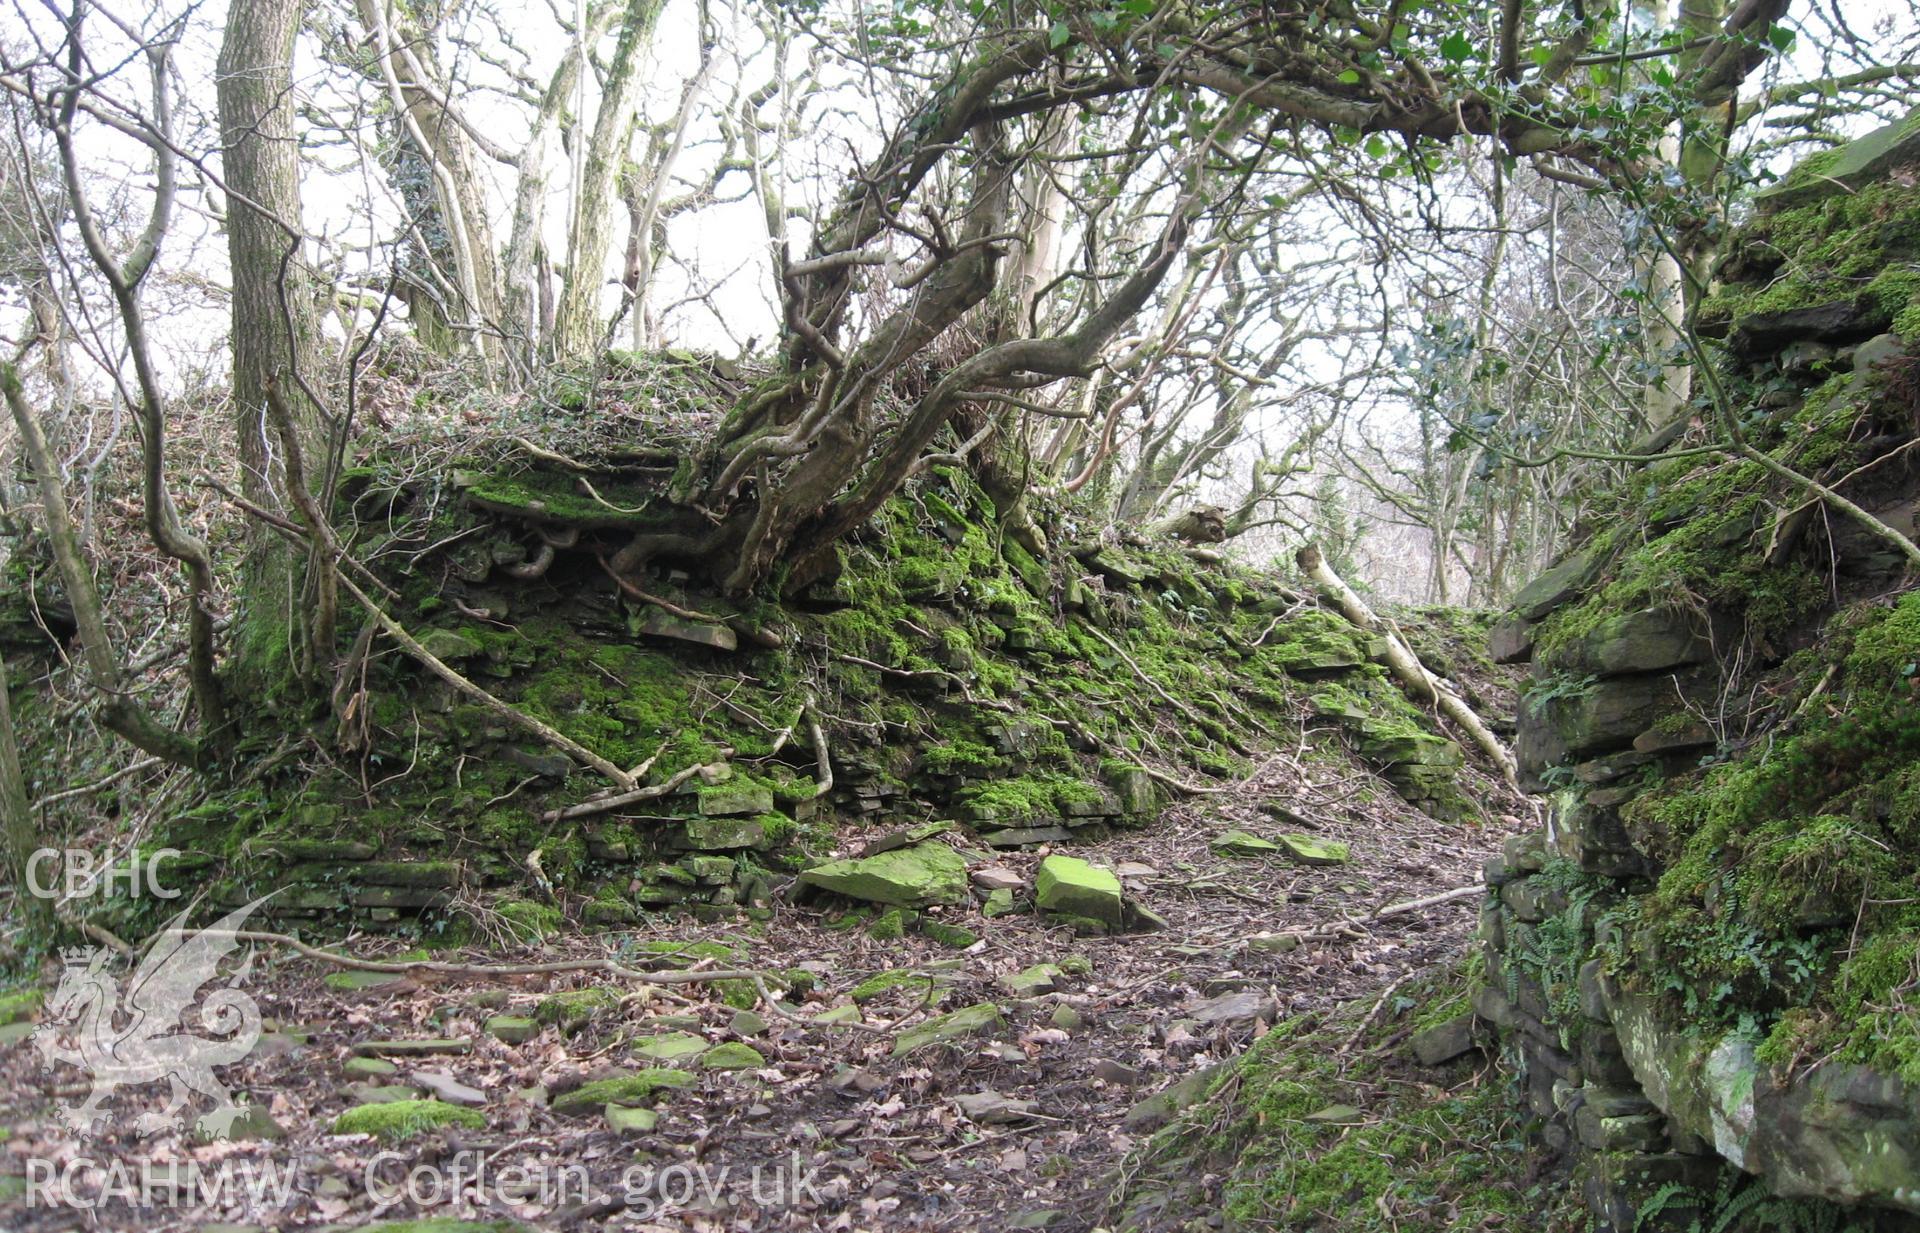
column 952, row 677
column 1707, row 965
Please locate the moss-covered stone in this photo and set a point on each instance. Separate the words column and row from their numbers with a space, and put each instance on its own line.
column 573, row 1009
column 958, row 937
column 1312, row 850
column 922, row 985
column 917, row 876
column 636, row 1088
column 400, row 1120
column 625, row 1121
column 947, row 1028
column 733, row 1055
column 1240, row 843
column 1846, row 168
column 1069, row 886
column 670, row 1047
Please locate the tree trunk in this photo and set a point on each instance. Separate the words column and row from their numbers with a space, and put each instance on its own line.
column 577, row 331
column 17, row 832
column 275, row 323
column 419, row 92
column 119, row 713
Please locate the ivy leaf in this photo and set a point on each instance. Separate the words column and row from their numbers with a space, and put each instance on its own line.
column 1456, row 47
column 1780, row 37
column 1376, row 146
column 1058, row 36
column 1350, row 77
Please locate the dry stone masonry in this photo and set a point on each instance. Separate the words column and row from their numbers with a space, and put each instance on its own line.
column 950, row 692
column 1707, row 960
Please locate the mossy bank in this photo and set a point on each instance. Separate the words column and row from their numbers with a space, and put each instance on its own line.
column 1708, row 959
column 1031, row 688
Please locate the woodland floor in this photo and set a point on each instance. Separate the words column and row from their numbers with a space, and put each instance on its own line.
column 881, row 1140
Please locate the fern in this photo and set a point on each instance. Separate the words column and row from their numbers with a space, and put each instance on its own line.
column 1670, row 1195
column 1745, row 1200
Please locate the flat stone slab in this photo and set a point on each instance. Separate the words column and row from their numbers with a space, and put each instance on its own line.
column 943, row 1029
column 1026, row 836
column 732, row 1056
column 445, row 1087
column 1240, row 843
column 353, row 981
column 412, row 1048
column 1845, row 168
column 633, row 1088
column 513, row 1029
column 252, row 1123
column 720, row 835
column 626, row 1121
column 911, row 877
column 997, row 877
column 1241, row 1006
column 908, row 836
column 1557, row 584
column 659, row 623
column 730, row 800
column 992, row 1109
column 1069, row 886
column 671, row 1047
column 1163, row 1106
column 1033, row 981
column 1443, row 1042
column 379, row 1094
column 1311, row 851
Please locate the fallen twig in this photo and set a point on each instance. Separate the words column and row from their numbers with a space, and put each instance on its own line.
column 586, row 809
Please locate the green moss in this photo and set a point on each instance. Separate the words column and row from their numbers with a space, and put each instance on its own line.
column 960, row 757
column 633, row 1090
column 575, row 1007
column 920, row 983
column 888, row 926
column 689, row 952
column 1406, row 1148
column 1034, row 795
column 20, row 1005
column 1851, row 247
column 1713, row 556
column 529, row 921
column 553, row 497
column 1783, row 867
column 400, row 1120
column 1876, row 1002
